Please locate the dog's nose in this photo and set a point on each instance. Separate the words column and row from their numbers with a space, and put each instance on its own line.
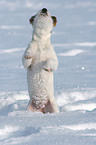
column 44, row 10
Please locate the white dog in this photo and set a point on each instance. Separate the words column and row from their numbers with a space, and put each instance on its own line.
column 40, row 61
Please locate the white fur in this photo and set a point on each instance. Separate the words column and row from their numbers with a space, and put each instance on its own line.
column 42, row 57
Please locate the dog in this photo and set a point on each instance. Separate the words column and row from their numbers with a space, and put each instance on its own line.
column 40, row 60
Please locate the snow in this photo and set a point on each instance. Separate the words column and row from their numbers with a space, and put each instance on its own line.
column 74, row 41
column 71, row 52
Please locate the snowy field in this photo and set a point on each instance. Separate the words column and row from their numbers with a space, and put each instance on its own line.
column 74, row 40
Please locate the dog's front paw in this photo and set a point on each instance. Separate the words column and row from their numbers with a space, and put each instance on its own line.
column 49, row 70
column 27, row 57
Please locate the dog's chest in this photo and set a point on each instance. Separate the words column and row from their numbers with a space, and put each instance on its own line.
column 41, row 55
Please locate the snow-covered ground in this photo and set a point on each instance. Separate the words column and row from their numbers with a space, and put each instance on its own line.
column 74, row 39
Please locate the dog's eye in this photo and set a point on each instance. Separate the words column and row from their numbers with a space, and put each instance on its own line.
column 54, row 20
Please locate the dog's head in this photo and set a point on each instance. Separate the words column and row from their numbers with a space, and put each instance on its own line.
column 43, row 21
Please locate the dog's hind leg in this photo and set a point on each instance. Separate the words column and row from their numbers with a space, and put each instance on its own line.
column 32, row 107
column 50, row 107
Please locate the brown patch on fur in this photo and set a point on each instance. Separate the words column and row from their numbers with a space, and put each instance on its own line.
column 47, row 107
column 32, row 19
column 54, row 20
column 32, row 107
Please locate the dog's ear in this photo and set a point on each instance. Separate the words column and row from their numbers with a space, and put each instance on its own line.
column 54, row 20
column 32, row 19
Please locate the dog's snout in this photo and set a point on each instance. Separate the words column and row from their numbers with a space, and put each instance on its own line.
column 44, row 10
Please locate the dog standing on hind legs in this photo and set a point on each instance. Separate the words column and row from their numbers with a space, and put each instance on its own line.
column 40, row 61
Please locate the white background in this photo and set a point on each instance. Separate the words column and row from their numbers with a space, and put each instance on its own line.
column 74, row 40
